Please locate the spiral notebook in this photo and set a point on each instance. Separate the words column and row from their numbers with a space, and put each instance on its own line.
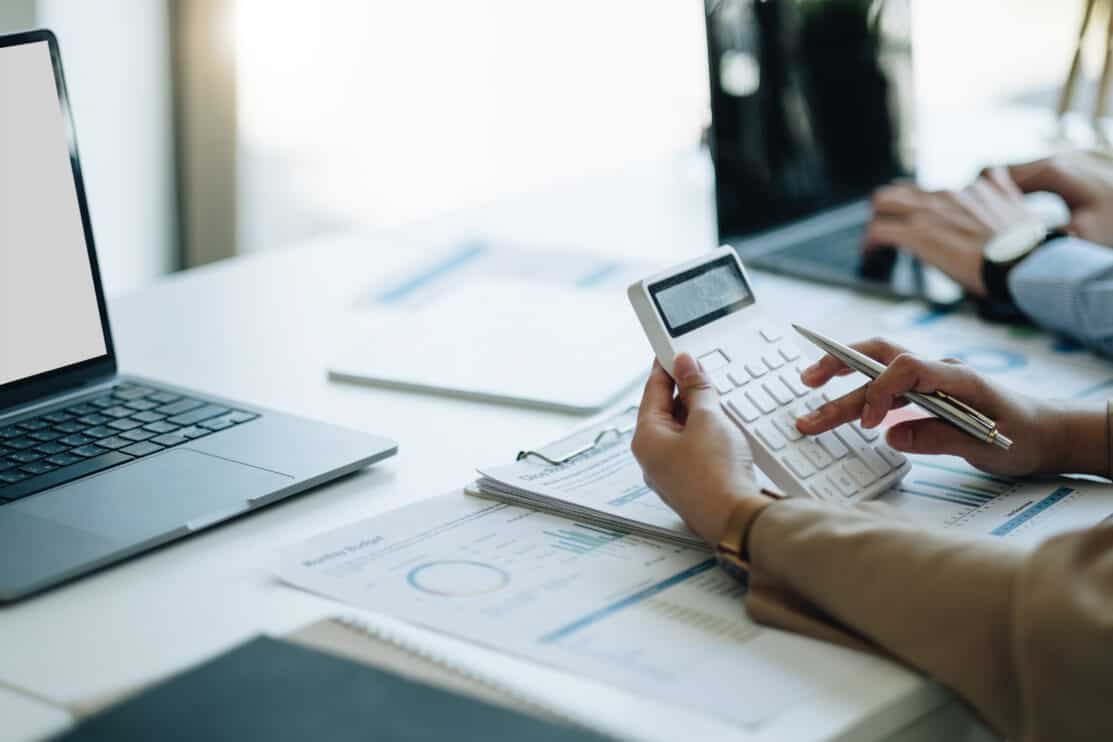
column 284, row 691
column 369, row 644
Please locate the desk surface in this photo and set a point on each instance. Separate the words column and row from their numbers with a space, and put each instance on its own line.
column 260, row 328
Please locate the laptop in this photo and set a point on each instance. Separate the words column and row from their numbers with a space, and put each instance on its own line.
column 811, row 107
column 96, row 466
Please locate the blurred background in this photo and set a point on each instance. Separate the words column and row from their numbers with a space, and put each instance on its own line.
column 211, row 128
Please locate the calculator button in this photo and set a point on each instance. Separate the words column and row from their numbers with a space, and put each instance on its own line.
column 832, row 445
column 843, row 482
column 769, row 435
column 778, row 391
column 794, row 385
column 771, row 334
column 792, row 410
column 713, row 361
column 814, row 403
column 797, row 464
column 721, row 382
column 761, row 400
column 738, row 377
column 868, row 434
column 773, row 361
column 894, row 458
column 744, row 408
column 814, row 453
column 789, row 353
column 879, row 466
column 859, row 472
column 786, row 424
column 825, row 489
column 848, row 436
column 755, row 369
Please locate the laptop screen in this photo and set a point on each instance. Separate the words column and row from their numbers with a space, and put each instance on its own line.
column 811, row 105
column 49, row 314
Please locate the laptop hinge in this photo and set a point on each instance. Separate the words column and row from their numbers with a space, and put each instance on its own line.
column 60, row 396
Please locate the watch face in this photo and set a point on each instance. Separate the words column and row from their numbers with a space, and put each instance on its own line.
column 1015, row 242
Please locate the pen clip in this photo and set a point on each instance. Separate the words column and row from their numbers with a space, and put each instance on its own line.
column 979, row 417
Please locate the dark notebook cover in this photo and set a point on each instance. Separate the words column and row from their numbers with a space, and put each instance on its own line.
column 271, row 690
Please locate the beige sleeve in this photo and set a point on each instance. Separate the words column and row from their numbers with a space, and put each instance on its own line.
column 1027, row 640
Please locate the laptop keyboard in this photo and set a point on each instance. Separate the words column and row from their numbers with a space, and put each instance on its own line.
column 125, row 423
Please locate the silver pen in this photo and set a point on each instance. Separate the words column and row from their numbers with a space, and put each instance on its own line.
column 958, row 413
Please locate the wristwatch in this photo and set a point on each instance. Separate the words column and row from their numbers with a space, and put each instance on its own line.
column 1007, row 250
column 732, row 552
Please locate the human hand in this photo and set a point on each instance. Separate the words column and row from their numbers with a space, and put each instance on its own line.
column 1035, row 427
column 1084, row 181
column 948, row 229
column 690, row 452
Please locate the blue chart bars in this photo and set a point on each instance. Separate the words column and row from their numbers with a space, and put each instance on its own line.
column 1029, row 513
column 581, row 539
column 954, row 485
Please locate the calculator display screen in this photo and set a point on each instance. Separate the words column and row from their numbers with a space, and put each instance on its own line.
column 703, row 294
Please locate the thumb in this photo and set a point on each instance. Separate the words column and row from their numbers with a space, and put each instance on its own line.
column 694, row 387
column 932, row 436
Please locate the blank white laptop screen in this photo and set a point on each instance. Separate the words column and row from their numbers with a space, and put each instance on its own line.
column 49, row 316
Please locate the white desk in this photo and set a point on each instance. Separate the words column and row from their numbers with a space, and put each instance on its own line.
column 259, row 329
column 24, row 717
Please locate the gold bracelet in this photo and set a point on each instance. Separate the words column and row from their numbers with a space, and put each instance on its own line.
column 733, row 552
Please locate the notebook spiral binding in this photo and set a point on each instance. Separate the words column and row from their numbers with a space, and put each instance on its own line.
column 614, row 431
column 532, row 703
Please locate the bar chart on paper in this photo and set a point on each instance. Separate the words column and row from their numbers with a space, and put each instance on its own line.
column 582, row 539
column 1036, row 512
column 952, row 488
column 946, row 492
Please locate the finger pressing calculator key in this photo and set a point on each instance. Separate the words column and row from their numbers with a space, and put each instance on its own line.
column 707, row 308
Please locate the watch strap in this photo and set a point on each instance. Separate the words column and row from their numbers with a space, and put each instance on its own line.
column 995, row 276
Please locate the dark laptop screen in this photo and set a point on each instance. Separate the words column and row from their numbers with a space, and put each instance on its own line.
column 811, row 105
column 49, row 313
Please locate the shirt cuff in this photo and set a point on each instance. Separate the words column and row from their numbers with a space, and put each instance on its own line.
column 1047, row 285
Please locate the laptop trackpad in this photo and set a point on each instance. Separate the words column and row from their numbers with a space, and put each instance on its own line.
column 153, row 496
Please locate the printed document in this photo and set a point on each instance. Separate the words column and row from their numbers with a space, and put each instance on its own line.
column 602, row 485
column 660, row 620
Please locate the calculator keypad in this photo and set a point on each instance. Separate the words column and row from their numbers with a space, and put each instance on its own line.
column 763, row 392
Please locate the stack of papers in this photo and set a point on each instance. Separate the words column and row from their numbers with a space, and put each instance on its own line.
column 597, row 481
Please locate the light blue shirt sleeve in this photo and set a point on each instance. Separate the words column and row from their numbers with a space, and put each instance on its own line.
column 1067, row 286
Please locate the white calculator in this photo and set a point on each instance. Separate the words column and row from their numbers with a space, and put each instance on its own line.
column 706, row 308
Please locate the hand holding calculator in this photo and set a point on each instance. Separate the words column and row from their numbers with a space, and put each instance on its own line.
column 706, row 308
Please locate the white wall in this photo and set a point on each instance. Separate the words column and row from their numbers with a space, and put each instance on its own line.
column 117, row 65
column 16, row 15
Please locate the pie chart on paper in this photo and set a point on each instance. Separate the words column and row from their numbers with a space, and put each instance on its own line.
column 457, row 578
column 992, row 360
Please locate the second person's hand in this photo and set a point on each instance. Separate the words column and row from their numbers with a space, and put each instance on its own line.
column 1084, row 181
column 948, row 229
